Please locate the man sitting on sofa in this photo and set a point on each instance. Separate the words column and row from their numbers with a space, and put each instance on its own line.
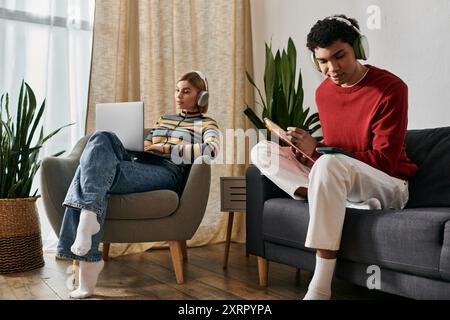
column 363, row 110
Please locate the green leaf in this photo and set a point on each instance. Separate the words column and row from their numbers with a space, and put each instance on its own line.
column 286, row 78
column 56, row 131
column 292, row 54
column 292, row 58
column 20, row 108
column 259, row 124
column 7, row 107
column 7, row 129
column 314, row 129
column 302, row 118
column 269, row 77
column 58, row 154
column 311, row 120
column 280, row 113
column 250, row 79
column 31, row 110
column 300, row 95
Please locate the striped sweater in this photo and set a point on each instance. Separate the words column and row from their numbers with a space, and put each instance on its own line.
column 186, row 135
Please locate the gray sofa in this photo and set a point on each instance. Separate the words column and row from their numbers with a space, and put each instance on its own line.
column 411, row 246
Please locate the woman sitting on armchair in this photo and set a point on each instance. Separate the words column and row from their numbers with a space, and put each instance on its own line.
column 107, row 168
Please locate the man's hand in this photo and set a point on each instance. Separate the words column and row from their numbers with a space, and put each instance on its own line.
column 302, row 140
column 154, row 148
column 301, row 158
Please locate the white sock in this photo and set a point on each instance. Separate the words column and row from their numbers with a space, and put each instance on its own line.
column 320, row 285
column 87, row 227
column 88, row 273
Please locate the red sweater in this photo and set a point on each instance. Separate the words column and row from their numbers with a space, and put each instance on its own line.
column 369, row 120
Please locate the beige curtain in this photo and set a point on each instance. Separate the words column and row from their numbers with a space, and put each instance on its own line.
column 142, row 46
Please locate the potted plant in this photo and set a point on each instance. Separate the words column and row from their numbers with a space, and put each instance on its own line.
column 283, row 102
column 20, row 143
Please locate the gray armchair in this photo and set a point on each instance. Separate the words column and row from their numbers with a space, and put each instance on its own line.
column 139, row 217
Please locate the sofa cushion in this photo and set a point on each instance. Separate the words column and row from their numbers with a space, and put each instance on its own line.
column 407, row 240
column 430, row 150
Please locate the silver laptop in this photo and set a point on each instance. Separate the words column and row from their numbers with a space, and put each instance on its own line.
column 126, row 120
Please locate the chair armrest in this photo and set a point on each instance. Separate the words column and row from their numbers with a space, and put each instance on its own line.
column 198, row 181
column 195, row 195
column 76, row 152
column 56, row 176
column 259, row 189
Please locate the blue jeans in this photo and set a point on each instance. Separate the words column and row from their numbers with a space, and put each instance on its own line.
column 106, row 168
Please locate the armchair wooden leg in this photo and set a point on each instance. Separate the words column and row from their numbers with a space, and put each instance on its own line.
column 105, row 251
column 177, row 259
column 263, row 271
column 184, row 250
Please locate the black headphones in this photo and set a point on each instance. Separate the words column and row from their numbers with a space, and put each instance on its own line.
column 203, row 96
column 360, row 45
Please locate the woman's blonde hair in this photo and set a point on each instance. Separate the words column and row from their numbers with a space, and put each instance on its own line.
column 198, row 83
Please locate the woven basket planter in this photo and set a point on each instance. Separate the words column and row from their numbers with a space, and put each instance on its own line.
column 20, row 236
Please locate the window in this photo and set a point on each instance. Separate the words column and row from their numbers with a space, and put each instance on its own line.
column 48, row 43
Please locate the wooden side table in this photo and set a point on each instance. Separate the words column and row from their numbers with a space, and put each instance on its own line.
column 232, row 198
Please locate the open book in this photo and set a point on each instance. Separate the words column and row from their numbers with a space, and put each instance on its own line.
column 280, row 133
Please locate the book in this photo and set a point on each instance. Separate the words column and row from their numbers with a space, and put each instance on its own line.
column 282, row 135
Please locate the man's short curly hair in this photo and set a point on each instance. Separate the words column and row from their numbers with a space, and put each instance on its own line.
column 327, row 31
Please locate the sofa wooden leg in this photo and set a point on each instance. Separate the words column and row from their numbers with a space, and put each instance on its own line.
column 263, row 271
column 184, row 250
column 105, row 251
column 177, row 259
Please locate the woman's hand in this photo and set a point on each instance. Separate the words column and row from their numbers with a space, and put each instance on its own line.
column 302, row 140
column 154, row 148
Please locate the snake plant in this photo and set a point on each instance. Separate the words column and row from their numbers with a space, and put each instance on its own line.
column 283, row 102
column 20, row 144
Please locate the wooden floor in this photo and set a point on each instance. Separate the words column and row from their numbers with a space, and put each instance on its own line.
column 150, row 275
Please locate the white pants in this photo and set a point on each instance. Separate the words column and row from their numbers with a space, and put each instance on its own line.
column 334, row 182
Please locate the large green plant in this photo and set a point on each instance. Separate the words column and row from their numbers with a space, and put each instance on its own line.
column 19, row 145
column 283, row 102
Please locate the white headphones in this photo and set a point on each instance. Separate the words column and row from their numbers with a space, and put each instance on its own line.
column 360, row 45
column 203, row 96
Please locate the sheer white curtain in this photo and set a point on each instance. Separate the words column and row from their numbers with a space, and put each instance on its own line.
column 48, row 44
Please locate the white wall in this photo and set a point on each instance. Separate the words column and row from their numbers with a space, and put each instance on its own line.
column 412, row 42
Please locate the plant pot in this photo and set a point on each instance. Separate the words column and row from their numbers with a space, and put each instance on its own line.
column 20, row 236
